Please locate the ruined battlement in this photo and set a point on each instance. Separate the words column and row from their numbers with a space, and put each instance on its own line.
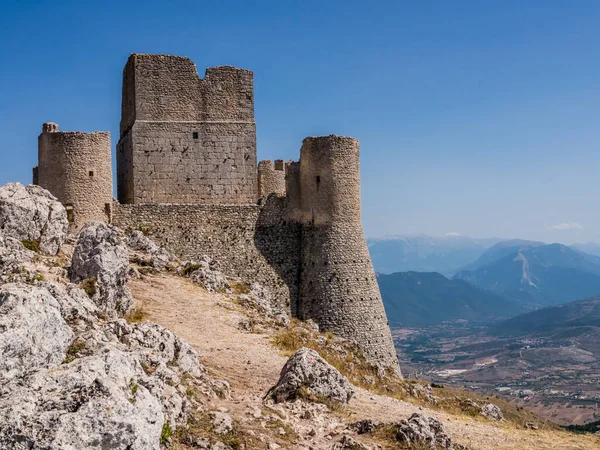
column 168, row 88
column 186, row 139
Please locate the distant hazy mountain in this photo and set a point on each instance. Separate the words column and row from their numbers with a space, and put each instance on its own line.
column 538, row 275
column 500, row 250
column 564, row 321
column 444, row 254
column 590, row 248
column 418, row 299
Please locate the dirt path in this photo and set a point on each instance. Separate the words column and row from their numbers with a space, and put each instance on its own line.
column 251, row 365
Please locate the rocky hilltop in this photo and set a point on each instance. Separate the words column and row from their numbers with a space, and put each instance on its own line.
column 107, row 341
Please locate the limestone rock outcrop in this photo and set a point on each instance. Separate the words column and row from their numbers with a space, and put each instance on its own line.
column 348, row 443
column 33, row 333
column 306, row 370
column 206, row 272
column 32, row 215
column 101, row 261
column 147, row 253
column 492, row 412
column 12, row 256
column 114, row 385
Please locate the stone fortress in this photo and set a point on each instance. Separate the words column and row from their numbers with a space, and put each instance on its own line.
column 187, row 175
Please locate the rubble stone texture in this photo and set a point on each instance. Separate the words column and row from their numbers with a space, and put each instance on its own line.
column 101, row 259
column 305, row 369
column 30, row 213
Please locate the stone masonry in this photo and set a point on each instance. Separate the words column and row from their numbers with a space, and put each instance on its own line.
column 187, row 175
column 76, row 168
column 185, row 139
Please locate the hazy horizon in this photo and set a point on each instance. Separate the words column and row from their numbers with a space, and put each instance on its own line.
column 476, row 119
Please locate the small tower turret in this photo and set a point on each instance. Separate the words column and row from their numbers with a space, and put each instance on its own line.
column 76, row 168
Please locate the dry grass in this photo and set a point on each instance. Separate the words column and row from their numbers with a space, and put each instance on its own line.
column 137, row 315
column 349, row 360
column 239, row 287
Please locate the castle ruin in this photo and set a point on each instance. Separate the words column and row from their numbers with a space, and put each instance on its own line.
column 187, row 172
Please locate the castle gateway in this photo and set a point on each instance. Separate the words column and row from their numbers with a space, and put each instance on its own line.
column 187, row 174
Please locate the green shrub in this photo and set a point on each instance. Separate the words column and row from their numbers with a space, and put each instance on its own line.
column 31, row 244
column 166, row 433
column 89, row 286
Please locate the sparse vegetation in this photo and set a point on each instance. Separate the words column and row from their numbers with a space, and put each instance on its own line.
column 31, row 244
column 74, row 350
column 240, row 287
column 145, row 229
column 165, row 433
column 148, row 368
column 136, row 315
column 39, row 277
column 89, row 286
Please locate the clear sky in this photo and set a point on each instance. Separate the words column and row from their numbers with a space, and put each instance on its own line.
column 474, row 117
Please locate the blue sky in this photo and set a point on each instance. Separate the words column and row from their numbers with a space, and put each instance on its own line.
column 478, row 118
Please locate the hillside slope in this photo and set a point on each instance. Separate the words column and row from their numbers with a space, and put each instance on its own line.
column 210, row 322
column 568, row 320
column 418, row 299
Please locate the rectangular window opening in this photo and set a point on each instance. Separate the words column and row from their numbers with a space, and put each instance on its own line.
column 195, row 135
column 91, row 173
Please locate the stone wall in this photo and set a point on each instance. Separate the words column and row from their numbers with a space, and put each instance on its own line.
column 338, row 287
column 76, row 168
column 251, row 242
column 185, row 139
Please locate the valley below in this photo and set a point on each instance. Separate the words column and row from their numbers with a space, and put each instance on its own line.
column 554, row 375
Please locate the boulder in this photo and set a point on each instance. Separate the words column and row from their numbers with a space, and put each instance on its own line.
column 33, row 216
column 205, row 272
column 33, row 333
column 100, row 262
column 222, row 423
column 492, row 412
column 348, row 443
column 307, row 374
column 147, row 252
column 424, row 431
column 364, row 426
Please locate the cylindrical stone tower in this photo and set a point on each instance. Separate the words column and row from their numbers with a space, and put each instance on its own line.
column 76, row 168
column 271, row 178
column 338, row 287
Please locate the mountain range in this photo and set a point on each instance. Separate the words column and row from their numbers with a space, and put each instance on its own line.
column 422, row 253
column 423, row 299
column 534, row 274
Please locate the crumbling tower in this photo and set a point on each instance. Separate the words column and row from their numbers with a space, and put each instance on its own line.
column 338, row 287
column 271, row 178
column 76, row 168
column 186, row 139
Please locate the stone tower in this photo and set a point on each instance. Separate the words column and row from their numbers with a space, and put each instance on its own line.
column 186, row 139
column 338, row 287
column 271, row 178
column 76, row 168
